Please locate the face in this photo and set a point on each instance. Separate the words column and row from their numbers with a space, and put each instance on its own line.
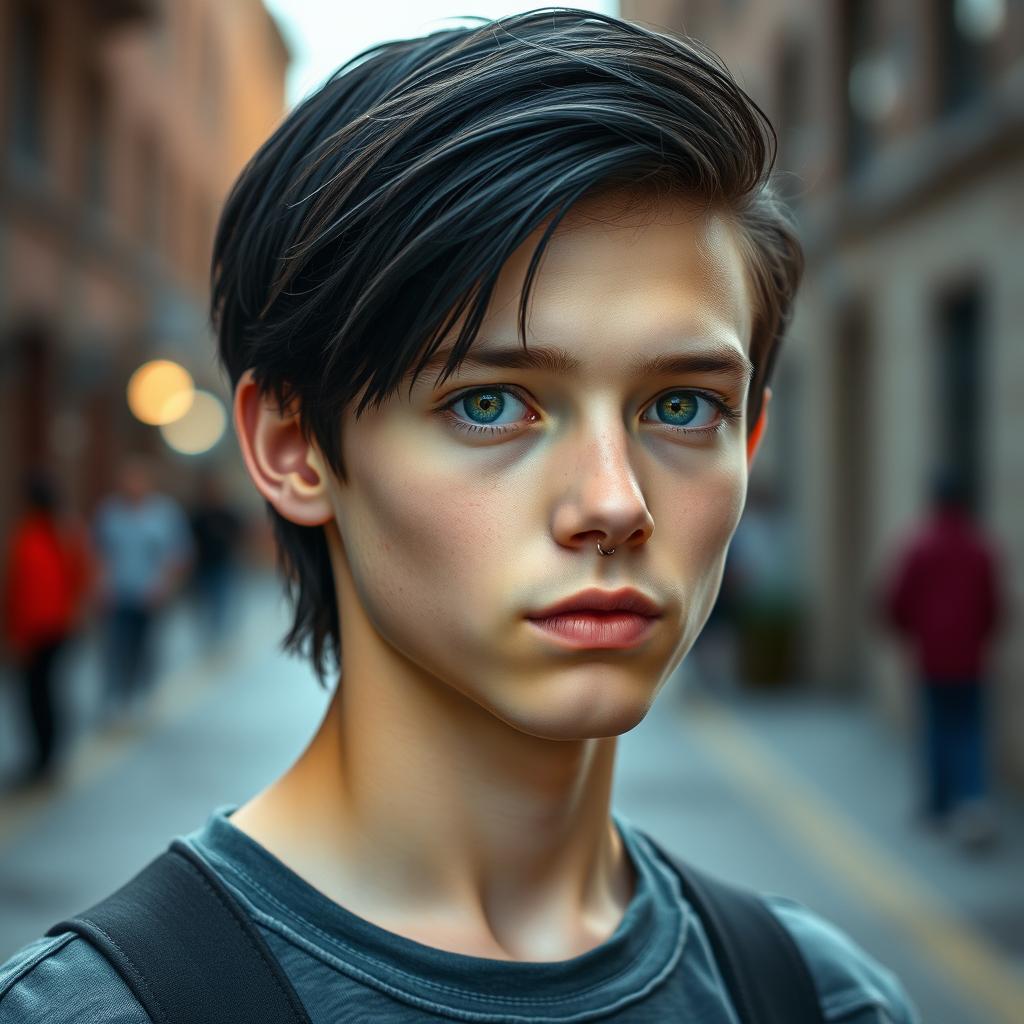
column 471, row 504
column 135, row 481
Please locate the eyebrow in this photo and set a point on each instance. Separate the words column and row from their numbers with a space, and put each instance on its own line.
column 716, row 358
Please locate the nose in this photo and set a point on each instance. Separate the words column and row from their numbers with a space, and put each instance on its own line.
column 604, row 501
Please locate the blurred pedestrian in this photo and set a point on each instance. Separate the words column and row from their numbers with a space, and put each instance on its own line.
column 944, row 598
column 45, row 588
column 145, row 546
column 217, row 530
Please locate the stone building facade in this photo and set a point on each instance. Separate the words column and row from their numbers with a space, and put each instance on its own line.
column 122, row 125
column 901, row 130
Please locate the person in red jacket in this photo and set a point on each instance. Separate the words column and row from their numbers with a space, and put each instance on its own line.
column 944, row 598
column 46, row 582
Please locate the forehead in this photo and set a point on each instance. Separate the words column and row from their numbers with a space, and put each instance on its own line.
column 624, row 279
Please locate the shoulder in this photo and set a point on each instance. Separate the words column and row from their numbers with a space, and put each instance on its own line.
column 63, row 980
column 853, row 987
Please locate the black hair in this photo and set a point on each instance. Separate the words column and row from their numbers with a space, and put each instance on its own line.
column 383, row 207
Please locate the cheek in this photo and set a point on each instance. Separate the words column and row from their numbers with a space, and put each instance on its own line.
column 701, row 523
column 429, row 542
column 707, row 510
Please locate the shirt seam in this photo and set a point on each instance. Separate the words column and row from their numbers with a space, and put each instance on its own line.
column 35, row 960
column 281, row 929
column 839, row 1004
column 139, row 978
column 627, row 999
column 271, row 922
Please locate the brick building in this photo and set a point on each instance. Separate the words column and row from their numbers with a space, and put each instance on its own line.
column 122, row 125
column 902, row 141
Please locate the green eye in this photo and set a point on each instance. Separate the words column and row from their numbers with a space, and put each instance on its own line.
column 483, row 406
column 681, row 408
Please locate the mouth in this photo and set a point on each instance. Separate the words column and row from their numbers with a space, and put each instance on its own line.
column 594, row 618
column 596, row 629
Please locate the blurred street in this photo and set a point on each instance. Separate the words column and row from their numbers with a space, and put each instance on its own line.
column 802, row 795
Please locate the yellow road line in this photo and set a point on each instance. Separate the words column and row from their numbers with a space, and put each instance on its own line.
column 965, row 956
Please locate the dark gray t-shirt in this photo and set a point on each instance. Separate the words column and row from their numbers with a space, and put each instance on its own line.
column 656, row 967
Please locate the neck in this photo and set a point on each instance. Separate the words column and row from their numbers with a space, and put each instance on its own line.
column 423, row 812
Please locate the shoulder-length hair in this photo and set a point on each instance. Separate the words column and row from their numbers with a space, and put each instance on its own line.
column 383, row 207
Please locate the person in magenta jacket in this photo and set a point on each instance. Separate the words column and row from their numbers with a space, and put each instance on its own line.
column 944, row 599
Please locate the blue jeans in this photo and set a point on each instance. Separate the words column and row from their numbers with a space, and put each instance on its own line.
column 954, row 744
column 128, row 654
column 215, row 595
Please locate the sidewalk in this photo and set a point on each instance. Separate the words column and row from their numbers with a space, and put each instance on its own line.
column 833, row 780
column 869, row 771
column 80, row 690
column 220, row 727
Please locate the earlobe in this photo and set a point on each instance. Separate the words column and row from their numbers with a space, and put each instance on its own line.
column 285, row 467
column 754, row 438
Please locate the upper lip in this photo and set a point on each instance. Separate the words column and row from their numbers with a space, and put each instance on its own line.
column 625, row 600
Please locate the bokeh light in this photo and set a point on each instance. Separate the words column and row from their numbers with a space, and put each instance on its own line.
column 160, row 392
column 200, row 428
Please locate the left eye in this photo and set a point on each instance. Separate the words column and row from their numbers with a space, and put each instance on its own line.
column 682, row 408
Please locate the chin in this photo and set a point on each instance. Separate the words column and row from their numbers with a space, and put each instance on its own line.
column 581, row 712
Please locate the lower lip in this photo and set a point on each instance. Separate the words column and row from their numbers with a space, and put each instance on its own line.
column 597, row 629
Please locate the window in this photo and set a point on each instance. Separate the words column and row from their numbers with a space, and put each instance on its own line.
column 852, row 499
column 965, row 28
column 791, row 91
column 28, row 117
column 96, row 141
column 865, row 82
column 960, row 403
column 147, row 190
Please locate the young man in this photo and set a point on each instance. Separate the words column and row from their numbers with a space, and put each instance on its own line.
column 944, row 597
column 567, row 216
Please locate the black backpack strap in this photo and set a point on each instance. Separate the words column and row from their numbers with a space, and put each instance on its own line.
column 186, row 948
column 761, row 964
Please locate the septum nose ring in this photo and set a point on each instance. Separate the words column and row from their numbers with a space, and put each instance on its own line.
column 602, row 550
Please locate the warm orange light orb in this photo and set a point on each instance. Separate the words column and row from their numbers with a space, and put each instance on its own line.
column 160, row 391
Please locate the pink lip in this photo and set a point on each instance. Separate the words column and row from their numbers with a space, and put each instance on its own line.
column 592, row 629
column 593, row 600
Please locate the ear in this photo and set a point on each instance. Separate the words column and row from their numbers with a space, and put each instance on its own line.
column 754, row 439
column 286, row 468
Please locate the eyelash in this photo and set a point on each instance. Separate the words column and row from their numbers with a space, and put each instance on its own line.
column 728, row 413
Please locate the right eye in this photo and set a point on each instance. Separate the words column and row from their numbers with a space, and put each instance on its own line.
column 484, row 406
